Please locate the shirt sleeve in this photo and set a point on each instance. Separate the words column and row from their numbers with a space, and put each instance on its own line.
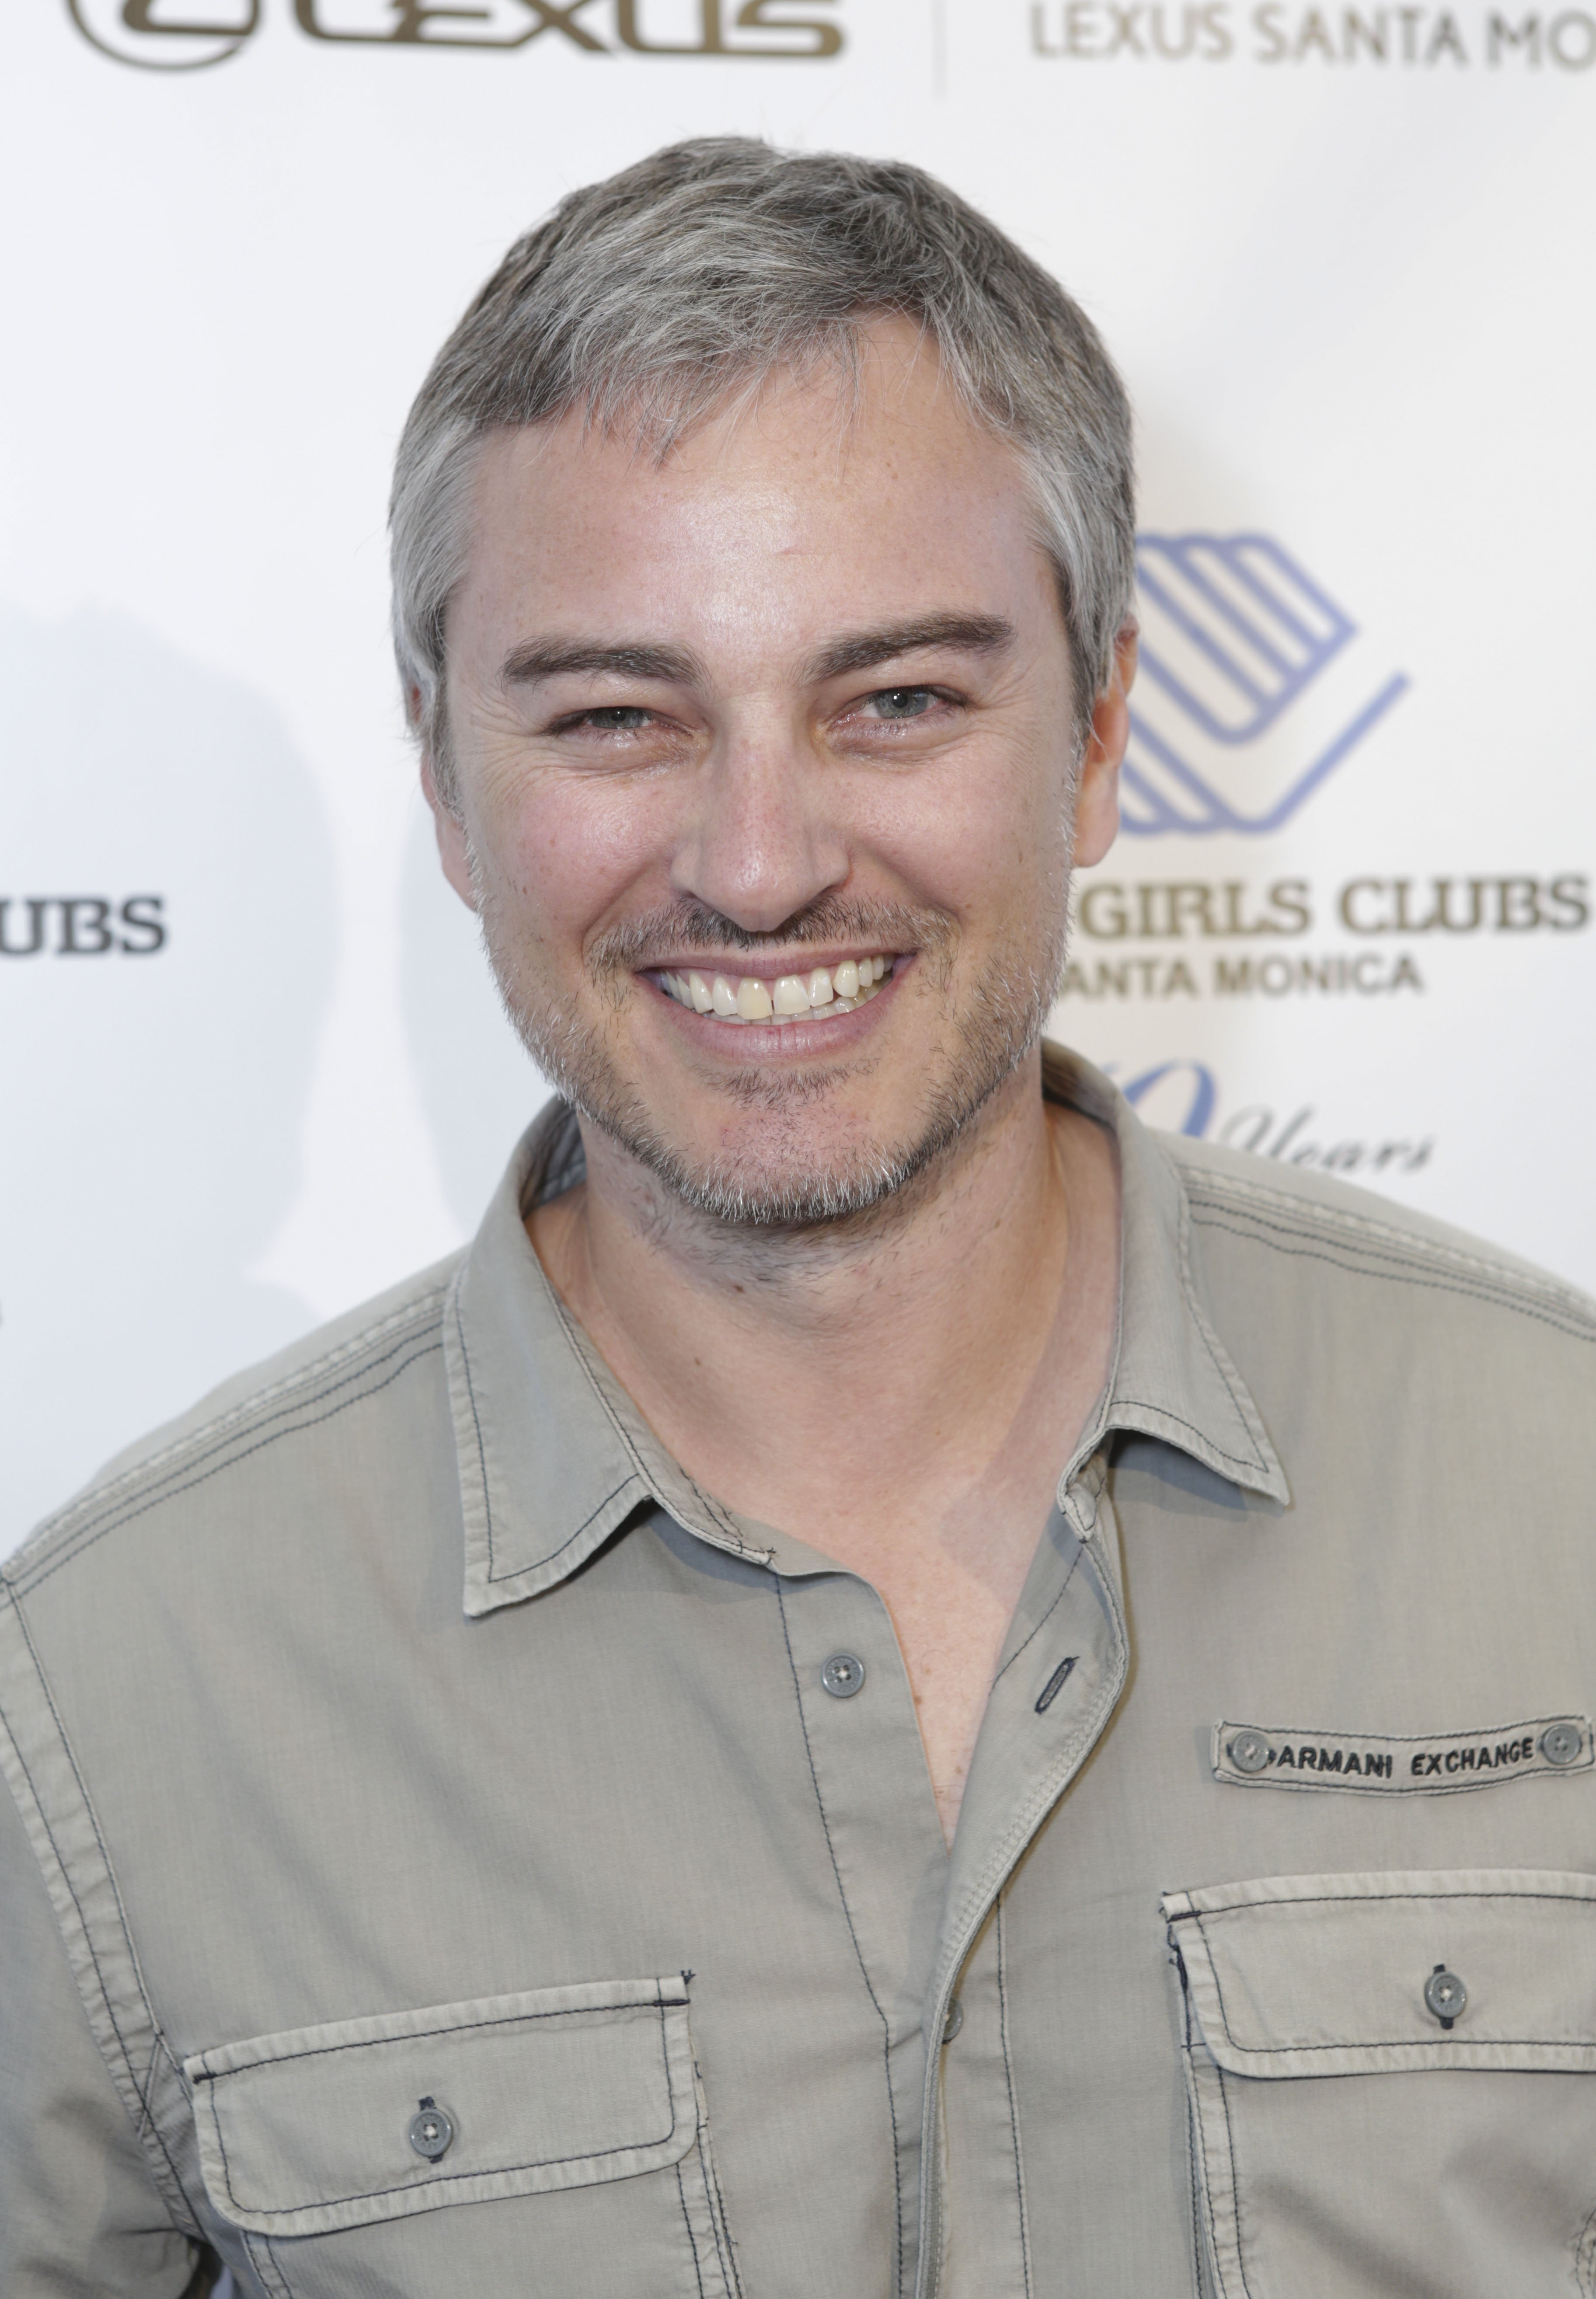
column 81, row 2217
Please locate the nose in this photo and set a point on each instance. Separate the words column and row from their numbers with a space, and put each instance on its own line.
column 762, row 841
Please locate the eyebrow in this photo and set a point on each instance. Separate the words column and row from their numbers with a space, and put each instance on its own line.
column 537, row 659
column 963, row 633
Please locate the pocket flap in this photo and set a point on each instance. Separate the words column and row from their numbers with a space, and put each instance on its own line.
column 312, row 2130
column 1328, row 1975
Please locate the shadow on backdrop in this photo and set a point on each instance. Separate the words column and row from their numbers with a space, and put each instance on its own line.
column 478, row 1087
column 166, row 951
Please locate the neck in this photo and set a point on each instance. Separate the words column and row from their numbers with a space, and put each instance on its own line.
column 788, row 1370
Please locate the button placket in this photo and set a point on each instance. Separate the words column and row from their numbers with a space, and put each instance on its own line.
column 1048, row 1705
column 978, row 2150
column 864, row 1750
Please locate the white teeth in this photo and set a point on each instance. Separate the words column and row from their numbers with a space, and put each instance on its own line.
column 815, row 996
column 753, row 998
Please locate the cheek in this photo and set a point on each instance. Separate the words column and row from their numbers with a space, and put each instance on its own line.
column 981, row 840
column 574, row 856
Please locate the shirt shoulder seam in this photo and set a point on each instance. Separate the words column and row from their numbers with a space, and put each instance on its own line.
column 1370, row 1248
column 1243, row 1194
column 160, row 1476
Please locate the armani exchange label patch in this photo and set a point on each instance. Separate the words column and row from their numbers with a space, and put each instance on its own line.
column 1266, row 1755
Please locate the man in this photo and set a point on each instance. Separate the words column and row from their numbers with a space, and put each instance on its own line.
column 890, row 1685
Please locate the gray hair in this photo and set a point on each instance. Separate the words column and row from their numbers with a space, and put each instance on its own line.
column 653, row 298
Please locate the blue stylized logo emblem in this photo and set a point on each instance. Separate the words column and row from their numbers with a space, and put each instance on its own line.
column 1252, row 688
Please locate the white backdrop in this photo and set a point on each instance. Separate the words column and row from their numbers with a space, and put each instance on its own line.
column 252, row 1067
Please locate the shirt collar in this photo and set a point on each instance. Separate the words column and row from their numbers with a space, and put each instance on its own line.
column 553, row 1456
column 1172, row 1375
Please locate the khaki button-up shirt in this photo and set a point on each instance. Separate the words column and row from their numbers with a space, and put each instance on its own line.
column 451, row 1854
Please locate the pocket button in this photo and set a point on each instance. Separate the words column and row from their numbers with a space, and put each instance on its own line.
column 431, row 2131
column 1249, row 1752
column 1445, row 1995
column 1561, row 1743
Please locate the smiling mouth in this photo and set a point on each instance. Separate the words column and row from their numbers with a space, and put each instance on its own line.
column 819, row 995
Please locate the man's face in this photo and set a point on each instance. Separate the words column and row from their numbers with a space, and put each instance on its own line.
column 729, row 727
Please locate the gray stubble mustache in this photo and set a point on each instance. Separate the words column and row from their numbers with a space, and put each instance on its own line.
column 659, row 936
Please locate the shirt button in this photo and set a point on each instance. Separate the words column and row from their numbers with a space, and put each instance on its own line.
column 955, row 2020
column 843, row 1675
column 1561, row 1743
column 431, row 2130
column 1445, row 1995
column 1249, row 1752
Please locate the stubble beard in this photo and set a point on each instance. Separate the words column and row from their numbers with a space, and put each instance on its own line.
column 781, row 1185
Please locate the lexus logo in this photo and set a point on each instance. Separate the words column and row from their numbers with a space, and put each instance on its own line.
column 189, row 34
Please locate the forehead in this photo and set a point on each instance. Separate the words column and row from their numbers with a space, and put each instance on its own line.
column 763, row 508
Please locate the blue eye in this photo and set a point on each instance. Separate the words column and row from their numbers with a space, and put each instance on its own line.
column 903, row 702
column 621, row 719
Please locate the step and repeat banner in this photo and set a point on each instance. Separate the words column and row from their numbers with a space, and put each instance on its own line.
column 254, row 1068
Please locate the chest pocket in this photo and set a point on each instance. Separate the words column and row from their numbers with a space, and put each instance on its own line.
column 1391, row 2081
column 571, row 2118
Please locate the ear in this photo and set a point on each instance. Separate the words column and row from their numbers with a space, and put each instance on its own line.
column 1097, row 799
column 450, row 829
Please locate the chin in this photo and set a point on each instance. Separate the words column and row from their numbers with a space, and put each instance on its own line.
column 750, row 1194
column 781, row 1176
